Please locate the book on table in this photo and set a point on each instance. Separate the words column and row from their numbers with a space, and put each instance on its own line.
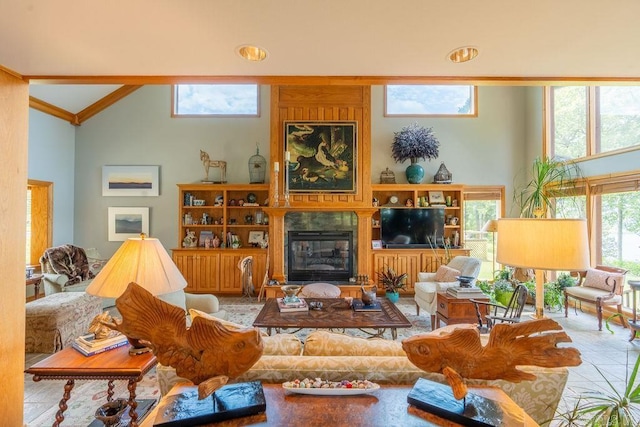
column 460, row 292
column 287, row 307
column 90, row 341
column 358, row 305
column 88, row 351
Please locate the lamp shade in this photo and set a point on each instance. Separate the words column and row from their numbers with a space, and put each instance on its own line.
column 143, row 261
column 543, row 244
column 490, row 226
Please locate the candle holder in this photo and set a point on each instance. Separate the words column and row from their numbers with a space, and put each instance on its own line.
column 286, row 184
column 276, row 196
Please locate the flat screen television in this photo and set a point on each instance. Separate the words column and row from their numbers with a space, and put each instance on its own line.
column 412, row 227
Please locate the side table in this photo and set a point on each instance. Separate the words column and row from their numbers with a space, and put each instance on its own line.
column 634, row 324
column 35, row 280
column 452, row 310
column 69, row 364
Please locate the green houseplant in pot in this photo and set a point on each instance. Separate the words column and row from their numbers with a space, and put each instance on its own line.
column 414, row 142
column 392, row 282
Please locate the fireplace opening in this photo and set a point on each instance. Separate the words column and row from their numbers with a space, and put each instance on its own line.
column 315, row 256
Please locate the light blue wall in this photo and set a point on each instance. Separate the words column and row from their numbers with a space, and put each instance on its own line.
column 52, row 158
column 496, row 148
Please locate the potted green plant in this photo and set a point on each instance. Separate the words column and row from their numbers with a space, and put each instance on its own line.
column 414, row 142
column 534, row 197
column 392, row 282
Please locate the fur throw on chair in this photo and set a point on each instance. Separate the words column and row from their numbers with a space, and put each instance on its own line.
column 70, row 260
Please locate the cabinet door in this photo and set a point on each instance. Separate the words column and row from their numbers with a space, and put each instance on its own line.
column 401, row 263
column 200, row 270
column 230, row 273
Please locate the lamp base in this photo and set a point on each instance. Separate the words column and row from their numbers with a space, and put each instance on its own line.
column 137, row 348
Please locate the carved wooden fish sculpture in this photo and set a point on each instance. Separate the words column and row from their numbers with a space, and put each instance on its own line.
column 509, row 346
column 208, row 353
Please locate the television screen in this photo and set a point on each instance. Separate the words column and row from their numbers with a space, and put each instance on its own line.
column 412, row 227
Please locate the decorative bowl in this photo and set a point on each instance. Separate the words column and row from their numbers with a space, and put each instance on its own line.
column 465, row 281
column 111, row 412
column 291, row 293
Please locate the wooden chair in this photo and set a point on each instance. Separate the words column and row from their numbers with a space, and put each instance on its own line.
column 510, row 313
column 601, row 286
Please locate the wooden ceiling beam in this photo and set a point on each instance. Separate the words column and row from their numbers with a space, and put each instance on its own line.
column 45, row 107
column 105, row 102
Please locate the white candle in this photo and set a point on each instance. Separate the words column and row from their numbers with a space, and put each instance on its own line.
column 276, row 167
column 287, row 156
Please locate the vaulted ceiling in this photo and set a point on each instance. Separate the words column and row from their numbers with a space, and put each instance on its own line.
column 131, row 42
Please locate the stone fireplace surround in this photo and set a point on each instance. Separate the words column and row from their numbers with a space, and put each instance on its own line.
column 321, row 221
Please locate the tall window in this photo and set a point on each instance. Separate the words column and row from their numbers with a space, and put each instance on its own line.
column 482, row 204
column 587, row 121
column 431, row 100
column 237, row 100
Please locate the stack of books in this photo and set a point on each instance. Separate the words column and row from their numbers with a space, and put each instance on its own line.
column 460, row 292
column 358, row 305
column 287, row 307
column 89, row 345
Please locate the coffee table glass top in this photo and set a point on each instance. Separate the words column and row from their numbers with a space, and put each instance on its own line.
column 335, row 313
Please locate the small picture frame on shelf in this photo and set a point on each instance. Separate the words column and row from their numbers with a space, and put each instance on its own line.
column 436, row 198
column 256, row 237
column 376, row 244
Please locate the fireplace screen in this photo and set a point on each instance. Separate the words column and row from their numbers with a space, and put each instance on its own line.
column 320, row 256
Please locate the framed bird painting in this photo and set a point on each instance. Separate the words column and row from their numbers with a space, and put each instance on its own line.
column 321, row 156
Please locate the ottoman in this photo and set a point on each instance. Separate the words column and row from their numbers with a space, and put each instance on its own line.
column 53, row 322
column 320, row 290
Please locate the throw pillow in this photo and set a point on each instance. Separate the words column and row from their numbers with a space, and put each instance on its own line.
column 446, row 274
column 598, row 279
column 95, row 265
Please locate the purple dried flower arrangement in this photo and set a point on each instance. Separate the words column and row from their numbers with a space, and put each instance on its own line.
column 414, row 142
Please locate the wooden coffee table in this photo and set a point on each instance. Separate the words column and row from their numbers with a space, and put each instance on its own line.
column 69, row 364
column 335, row 314
column 384, row 407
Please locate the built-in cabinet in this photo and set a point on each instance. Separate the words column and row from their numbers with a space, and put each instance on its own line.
column 224, row 219
column 239, row 212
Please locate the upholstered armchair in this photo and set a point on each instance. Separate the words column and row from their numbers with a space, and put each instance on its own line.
column 205, row 303
column 601, row 286
column 429, row 284
column 69, row 268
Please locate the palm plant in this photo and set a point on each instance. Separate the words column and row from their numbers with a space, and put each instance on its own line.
column 607, row 409
column 534, row 197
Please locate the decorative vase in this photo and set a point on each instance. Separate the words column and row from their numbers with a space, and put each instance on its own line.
column 414, row 172
column 393, row 296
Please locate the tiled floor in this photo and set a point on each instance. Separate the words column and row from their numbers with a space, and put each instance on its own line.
column 611, row 353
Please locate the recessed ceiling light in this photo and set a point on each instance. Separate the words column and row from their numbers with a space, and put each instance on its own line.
column 462, row 54
column 252, row 53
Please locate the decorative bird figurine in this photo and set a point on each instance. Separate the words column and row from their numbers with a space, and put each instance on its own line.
column 208, row 353
column 459, row 353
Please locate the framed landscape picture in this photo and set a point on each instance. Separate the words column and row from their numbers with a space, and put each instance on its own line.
column 127, row 222
column 130, row 181
column 323, row 156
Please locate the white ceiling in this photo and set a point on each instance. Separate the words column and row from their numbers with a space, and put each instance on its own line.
column 516, row 38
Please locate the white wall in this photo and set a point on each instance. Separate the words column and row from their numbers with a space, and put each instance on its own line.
column 52, row 158
column 139, row 130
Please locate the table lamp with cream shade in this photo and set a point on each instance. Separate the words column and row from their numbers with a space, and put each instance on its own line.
column 543, row 244
column 140, row 260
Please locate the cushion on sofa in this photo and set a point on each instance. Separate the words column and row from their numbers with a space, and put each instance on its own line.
column 324, row 343
column 279, row 344
column 446, row 274
column 598, row 279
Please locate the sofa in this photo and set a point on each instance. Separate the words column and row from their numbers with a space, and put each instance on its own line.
column 335, row 357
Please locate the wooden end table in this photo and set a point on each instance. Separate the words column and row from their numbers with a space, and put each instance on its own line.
column 69, row 364
column 35, row 280
column 385, row 407
column 452, row 310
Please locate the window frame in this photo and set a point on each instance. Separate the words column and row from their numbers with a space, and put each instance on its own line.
column 473, row 114
column 174, row 100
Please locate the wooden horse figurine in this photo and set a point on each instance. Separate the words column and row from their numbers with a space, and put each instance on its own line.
column 207, row 163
